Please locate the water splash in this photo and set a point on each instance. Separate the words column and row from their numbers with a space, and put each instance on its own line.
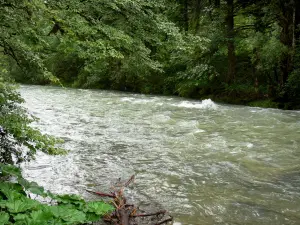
column 205, row 104
column 137, row 101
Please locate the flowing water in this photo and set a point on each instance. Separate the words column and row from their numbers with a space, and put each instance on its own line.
column 206, row 163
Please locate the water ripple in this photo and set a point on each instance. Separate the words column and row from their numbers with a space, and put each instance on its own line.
column 206, row 163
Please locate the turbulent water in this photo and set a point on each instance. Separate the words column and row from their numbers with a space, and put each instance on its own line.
column 204, row 162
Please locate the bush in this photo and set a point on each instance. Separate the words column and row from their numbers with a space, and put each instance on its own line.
column 20, row 141
column 18, row 208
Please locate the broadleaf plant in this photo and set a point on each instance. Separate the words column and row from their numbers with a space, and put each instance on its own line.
column 18, row 208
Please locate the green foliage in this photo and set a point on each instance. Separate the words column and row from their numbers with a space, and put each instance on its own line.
column 263, row 104
column 166, row 46
column 235, row 90
column 4, row 218
column 265, row 51
column 21, row 141
column 109, row 44
column 292, row 88
column 18, row 208
column 25, row 47
column 21, row 40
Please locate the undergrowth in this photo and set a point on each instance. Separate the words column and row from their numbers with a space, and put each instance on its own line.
column 18, row 207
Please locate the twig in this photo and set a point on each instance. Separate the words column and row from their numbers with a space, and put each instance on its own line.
column 131, row 179
column 126, row 214
column 113, row 195
column 150, row 214
column 165, row 221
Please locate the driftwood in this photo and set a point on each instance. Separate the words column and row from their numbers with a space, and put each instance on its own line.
column 127, row 214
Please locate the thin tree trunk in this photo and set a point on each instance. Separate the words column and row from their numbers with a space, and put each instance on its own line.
column 196, row 15
column 217, row 3
column 185, row 15
column 294, row 28
column 287, row 37
column 297, row 21
column 230, row 42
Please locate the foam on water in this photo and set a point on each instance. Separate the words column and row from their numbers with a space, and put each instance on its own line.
column 127, row 99
column 205, row 104
column 249, row 145
column 177, row 223
column 137, row 101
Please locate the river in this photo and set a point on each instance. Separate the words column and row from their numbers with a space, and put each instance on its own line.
column 206, row 163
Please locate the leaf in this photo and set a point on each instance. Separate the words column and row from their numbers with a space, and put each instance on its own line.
column 70, row 200
column 22, row 205
column 13, row 195
column 3, row 204
column 67, row 214
column 92, row 217
column 20, row 217
column 41, row 215
column 32, row 187
column 100, row 208
column 10, row 170
column 4, row 218
column 12, row 190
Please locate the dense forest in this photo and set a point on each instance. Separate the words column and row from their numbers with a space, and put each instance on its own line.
column 234, row 51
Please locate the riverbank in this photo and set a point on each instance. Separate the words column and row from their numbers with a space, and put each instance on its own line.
column 246, row 96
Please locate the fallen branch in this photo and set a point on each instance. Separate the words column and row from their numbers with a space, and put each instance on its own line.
column 102, row 194
column 151, row 214
column 165, row 221
column 131, row 179
column 126, row 214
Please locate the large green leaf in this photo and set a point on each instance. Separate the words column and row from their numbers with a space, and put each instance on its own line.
column 42, row 215
column 71, row 201
column 13, row 195
column 11, row 190
column 32, row 187
column 39, row 217
column 23, row 205
column 3, row 204
column 4, row 218
column 92, row 217
column 68, row 198
column 21, row 217
column 99, row 208
column 68, row 214
column 10, row 170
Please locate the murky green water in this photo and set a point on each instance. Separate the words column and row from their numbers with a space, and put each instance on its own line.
column 204, row 162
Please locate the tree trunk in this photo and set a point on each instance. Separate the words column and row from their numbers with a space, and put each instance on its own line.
column 196, row 15
column 185, row 15
column 287, row 37
column 297, row 21
column 230, row 42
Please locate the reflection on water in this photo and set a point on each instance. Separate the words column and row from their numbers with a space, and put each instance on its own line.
column 204, row 162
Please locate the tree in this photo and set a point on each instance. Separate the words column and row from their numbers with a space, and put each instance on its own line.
column 19, row 42
column 229, row 18
column 286, row 20
column 185, row 47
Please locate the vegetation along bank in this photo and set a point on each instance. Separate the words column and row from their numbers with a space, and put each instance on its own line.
column 234, row 51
